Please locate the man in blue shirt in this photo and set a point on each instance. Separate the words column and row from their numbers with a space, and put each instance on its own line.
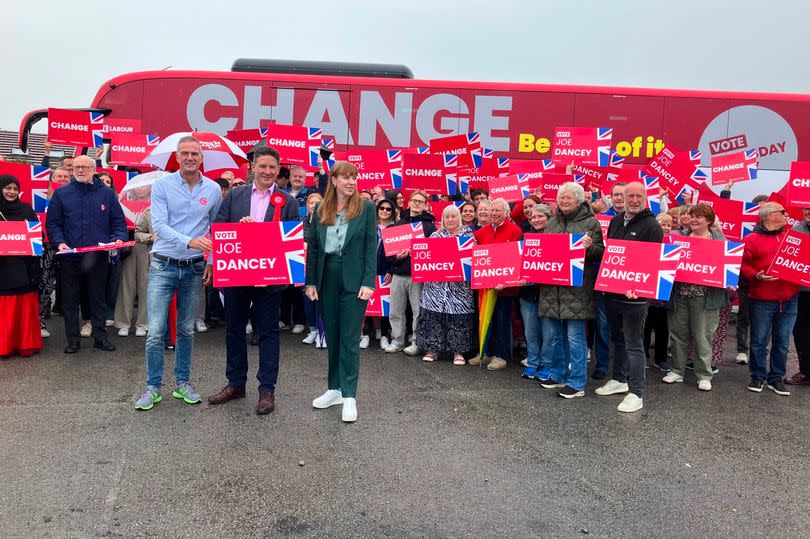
column 184, row 205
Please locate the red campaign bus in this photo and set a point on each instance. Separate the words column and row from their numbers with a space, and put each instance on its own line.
column 515, row 120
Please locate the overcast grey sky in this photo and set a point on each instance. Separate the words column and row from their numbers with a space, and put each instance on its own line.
column 54, row 55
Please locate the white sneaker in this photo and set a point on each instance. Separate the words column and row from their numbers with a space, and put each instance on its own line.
column 524, row 362
column 86, row 330
column 311, row 336
column 200, row 326
column 364, row 341
column 412, row 350
column 248, row 329
column 140, row 332
column 282, row 325
column 393, row 348
column 123, row 332
column 298, row 328
column 742, row 358
column 672, row 378
column 631, row 403
column 109, row 323
column 349, row 414
column 44, row 333
column 704, row 385
column 612, row 387
column 330, row 398
column 384, row 343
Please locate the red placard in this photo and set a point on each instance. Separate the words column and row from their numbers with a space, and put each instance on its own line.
column 76, row 127
column 798, row 186
column 93, row 248
column 647, row 269
column 461, row 145
column 677, row 171
column 604, row 223
column 398, row 238
column 734, row 167
column 513, row 188
column 441, row 259
column 21, row 238
column 379, row 304
column 266, row 253
column 553, row 259
column 428, row 173
column 120, row 126
column 127, row 149
column 589, row 145
column 296, row 145
column 381, row 168
column 708, row 262
column 549, row 184
column 792, row 260
column 436, row 207
column 246, row 139
column 729, row 212
column 496, row 264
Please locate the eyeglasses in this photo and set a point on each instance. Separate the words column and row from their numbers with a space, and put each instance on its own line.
column 783, row 212
column 384, row 208
column 418, row 201
column 83, row 167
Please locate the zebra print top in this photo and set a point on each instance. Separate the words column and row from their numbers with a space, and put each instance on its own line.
column 454, row 297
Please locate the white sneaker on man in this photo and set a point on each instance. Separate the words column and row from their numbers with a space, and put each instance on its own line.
column 140, row 332
column 44, row 333
column 631, row 403
column 109, row 323
column 86, row 330
column 742, row 358
column 248, row 329
column 298, row 328
column 704, row 385
column 412, row 350
column 123, row 332
column 524, row 362
column 384, row 343
column 672, row 378
column 200, row 326
column 349, row 414
column 364, row 341
column 311, row 336
column 393, row 348
column 332, row 397
column 282, row 325
column 612, row 387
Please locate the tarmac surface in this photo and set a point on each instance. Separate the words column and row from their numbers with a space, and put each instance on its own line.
column 438, row 451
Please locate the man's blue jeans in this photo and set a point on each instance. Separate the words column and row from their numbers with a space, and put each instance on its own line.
column 601, row 342
column 569, row 349
column 535, row 331
column 166, row 278
column 774, row 318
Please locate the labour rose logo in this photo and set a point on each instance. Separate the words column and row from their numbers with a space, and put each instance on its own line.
column 103, row 207
column 203, row 201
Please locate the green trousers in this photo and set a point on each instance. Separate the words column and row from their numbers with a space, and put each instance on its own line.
column 691, row 321
column 343, row 316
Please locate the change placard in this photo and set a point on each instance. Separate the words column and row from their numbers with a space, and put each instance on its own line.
column 442, row 259
column 21, row 238
column 798, row 186
column 398, row 238
column 734, row 167
column 131, row 149
column 76, row 127
column 296, row 145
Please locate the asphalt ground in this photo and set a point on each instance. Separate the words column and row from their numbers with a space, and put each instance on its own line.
column 438, row 451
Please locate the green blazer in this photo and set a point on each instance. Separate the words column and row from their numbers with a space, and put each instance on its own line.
column 359, row 250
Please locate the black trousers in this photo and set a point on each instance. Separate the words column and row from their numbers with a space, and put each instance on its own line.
column 292, row 307
column 801, row 333
column 656, row 322
column 91, row 267
column 743, row 322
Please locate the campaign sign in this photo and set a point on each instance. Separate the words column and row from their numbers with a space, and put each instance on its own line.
column 120, row 126
column 496, row 264
column 246, row 139
column 604, row 223
column 461, row 145
column 533, row 169
column 553, row 259
column 250, row 254
column 548, row 184
column 589, row 145
column 428, row 173
column 296, row 145
column 132, row 149
column 93, row 248
column 798, row 186
column 513, row 188
column 21, row 238
column 76, row 127
column 376, row 168
column 379, row 304
column 34, row 181
column 398, row 238
column 708, row 262
column 436, row 207
column 441, row 259
column 678, row 172
column 647, row 269
column 729, row 212
column 792, row 260
column 734, row 167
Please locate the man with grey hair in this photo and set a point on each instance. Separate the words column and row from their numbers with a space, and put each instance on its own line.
column 184, row 205
column 499, row 346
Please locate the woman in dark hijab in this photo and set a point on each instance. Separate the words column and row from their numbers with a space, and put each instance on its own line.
column 19, row 286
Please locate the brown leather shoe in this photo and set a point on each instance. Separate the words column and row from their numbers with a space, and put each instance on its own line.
column 267, row 403
column 227, row 393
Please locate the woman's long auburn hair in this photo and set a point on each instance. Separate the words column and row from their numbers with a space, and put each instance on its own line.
column 327, row 209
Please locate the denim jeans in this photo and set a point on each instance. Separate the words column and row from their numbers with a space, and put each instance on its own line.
column 570, row 352
column 601, row 345
column 533, row 329
column 166, row 279
column 775, row 318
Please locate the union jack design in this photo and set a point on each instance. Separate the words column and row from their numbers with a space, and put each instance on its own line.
column 473, row 138
column 752, row 208
column 732, row 259
column 451, row 183
column 450, row 160
column 616, row 160
column 548, row 164
column 263, row 132
column 577, row 270
column 40, row 180
column 96, row 118
column 35, row 237
column 396, row 178
column 329, row 142
column 465, row 247
column 753, row 166
column 694, row 155
column 604, row 133
column 423, row 150
column 603, row 156
column 154, row 140
column 523, row 181
column 463, row 184
column 295, row 260
column 666, row 278
column 292, row 230
column 394, row 156
column 315, row 133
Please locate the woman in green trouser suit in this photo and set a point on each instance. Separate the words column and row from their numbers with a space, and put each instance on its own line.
column 341, row 270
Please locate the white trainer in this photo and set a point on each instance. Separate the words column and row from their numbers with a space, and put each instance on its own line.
column 393, row 348
column 631, row 403
column 86, row 330
column 200, row 326
column 298, row 328
column 44, row 333
column 311, row 336
column 109, row 323
column 742, row 358
column 672, row 378
column 248, row 329
column 412, row 350
column 349, row 414
column 123, row 332
column 140, row 332
column 332, row 397
column 364, row 341
column 705, row 385
column 384, row 343
column 612, row 387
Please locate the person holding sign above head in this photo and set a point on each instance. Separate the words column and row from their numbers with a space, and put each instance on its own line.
column 341, row 273
column 694, row 312
column 19, row 287
column 260, row 202
column 184, row 205
column 774, row 302
column 626, row 313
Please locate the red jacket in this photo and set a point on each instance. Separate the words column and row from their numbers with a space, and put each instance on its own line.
column 760, row 248
column 508, row 231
